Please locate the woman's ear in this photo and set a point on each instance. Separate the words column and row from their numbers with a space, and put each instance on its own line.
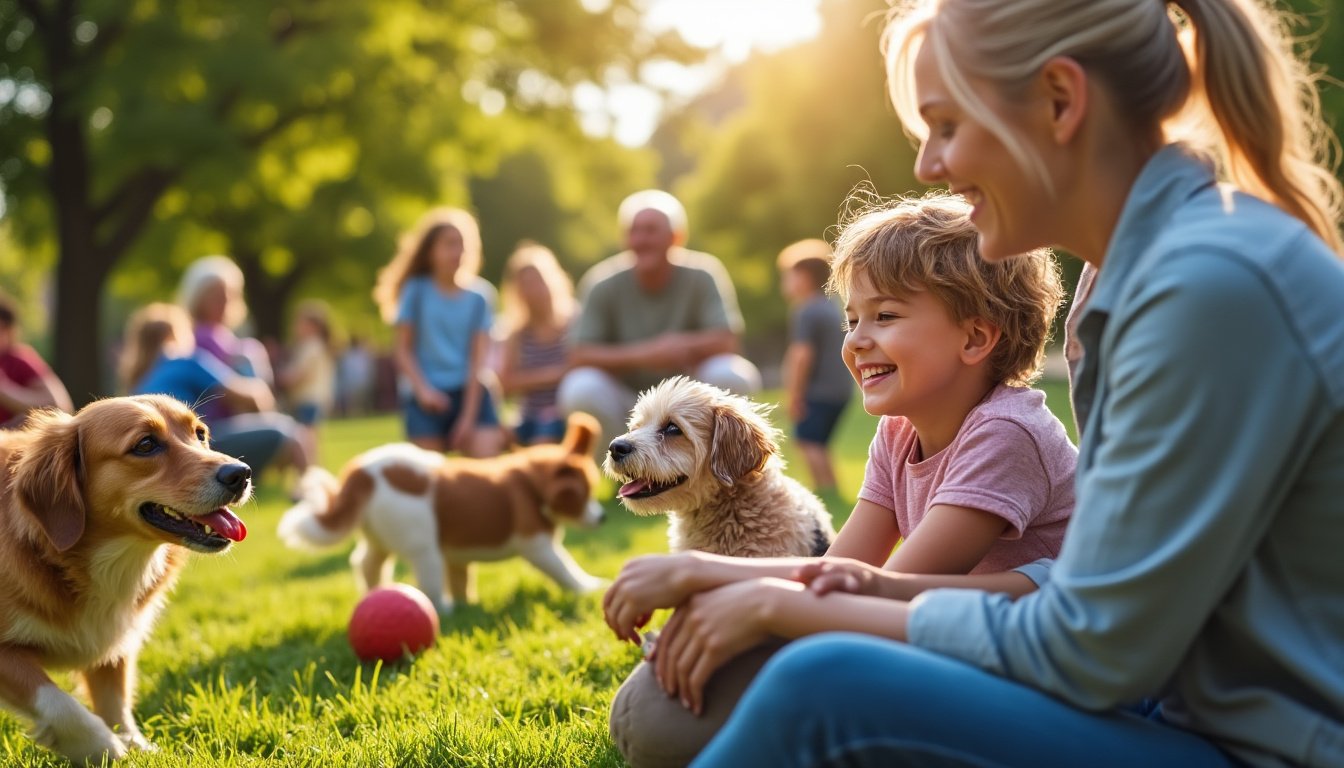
column 981, row 338
column 1064, row 84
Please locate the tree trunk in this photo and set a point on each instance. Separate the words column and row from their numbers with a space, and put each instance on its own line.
column 82, row 267
column 267, row 297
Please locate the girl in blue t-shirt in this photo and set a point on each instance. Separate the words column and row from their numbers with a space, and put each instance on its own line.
column 442, row 335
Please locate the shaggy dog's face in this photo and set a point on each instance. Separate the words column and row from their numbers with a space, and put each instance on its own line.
column 687, row 442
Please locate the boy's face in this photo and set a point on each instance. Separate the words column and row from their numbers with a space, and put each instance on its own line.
column 905, row 352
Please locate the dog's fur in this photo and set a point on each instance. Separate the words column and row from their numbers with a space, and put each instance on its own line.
column 442, row 514
column 97, row 511
column 709, row 459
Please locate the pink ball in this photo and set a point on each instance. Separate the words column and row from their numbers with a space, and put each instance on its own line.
column 393, row 623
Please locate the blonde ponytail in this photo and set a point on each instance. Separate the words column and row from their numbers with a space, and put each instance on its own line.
column 1271, row 140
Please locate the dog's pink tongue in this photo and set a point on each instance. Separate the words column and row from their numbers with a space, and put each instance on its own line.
column 632, row 487
column 225, row 523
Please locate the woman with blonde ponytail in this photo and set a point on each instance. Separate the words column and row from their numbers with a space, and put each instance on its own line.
column 1195, row 615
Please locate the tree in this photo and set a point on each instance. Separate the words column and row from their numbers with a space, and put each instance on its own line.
column 291, row 128
column 814, row 124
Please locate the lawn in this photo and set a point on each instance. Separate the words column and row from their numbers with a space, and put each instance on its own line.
column 249, row 664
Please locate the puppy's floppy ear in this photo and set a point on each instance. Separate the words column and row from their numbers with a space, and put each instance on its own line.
column 581, row 433
column 565, row 490
column 46, row 478
column 741, row 443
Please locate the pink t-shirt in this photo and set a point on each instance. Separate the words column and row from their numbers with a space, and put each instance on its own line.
column 1011, row 458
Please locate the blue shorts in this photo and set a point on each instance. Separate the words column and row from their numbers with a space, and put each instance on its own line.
column 819, row 422
column 422, row 423
column 533, row 431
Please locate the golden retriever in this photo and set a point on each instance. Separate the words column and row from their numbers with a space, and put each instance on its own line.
column 442, row 514
column 96, row 515
column 709, row 460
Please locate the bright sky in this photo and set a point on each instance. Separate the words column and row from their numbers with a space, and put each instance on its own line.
column 729, row 28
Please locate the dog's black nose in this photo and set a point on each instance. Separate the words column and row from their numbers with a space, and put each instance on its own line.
column 234, row 476
column 619, row 449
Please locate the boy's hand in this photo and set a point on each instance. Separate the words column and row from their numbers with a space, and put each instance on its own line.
column 644, row 585
column 797, row 409
column 840, row 574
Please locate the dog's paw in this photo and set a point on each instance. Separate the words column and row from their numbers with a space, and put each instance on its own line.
column 593, row 584
column 134, row 739
column 67, row 728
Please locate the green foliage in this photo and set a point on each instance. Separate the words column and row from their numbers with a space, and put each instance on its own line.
column 298, row 137
column 814, row 124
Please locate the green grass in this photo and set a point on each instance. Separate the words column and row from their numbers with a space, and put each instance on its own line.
column 249, row 664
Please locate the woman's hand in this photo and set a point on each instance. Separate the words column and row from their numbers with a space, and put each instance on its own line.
column 841, row 574
column 644, row 585
column 709, row 629
column 431, row 399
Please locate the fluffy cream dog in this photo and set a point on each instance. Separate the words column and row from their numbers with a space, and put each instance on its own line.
column 709, row 460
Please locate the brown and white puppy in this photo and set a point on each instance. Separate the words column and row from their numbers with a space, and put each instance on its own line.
column 442, row 514
column 709, row 460
column 97, row 512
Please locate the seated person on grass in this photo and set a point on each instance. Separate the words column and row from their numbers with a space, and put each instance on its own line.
column 969, row 468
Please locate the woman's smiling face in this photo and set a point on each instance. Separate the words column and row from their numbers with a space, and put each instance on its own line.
column 1010, row 204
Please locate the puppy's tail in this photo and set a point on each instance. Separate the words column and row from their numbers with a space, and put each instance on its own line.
column 324, row 515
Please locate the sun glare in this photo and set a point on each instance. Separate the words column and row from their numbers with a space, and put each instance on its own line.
column 735, row 27
column 729, row 29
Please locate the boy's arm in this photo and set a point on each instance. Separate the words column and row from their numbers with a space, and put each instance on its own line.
column 950, row 539
column 651, row 582
column 868, row 535
column 798, row 360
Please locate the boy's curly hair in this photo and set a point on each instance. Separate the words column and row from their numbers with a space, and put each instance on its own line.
column 909, row 244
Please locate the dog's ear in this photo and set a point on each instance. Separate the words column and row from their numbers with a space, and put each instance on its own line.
column 581, row 433
column 46, row 478
column 567, row 491
column 741, row 444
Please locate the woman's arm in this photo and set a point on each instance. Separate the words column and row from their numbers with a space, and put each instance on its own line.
column 713, row 627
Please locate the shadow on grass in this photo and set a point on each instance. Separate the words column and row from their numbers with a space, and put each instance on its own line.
column 327, row 563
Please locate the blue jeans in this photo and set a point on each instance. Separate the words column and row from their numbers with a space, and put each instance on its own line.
column 858, row 701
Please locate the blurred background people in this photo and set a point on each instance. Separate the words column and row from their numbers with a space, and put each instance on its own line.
column 308, row 376
column 442, row 338
column 539, row 308
column 817, row 385
column 160, row 356
column 652, row 311
column 26, row 381
column 211, row 290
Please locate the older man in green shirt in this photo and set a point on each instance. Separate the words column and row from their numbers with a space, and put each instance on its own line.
column 652, row 311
